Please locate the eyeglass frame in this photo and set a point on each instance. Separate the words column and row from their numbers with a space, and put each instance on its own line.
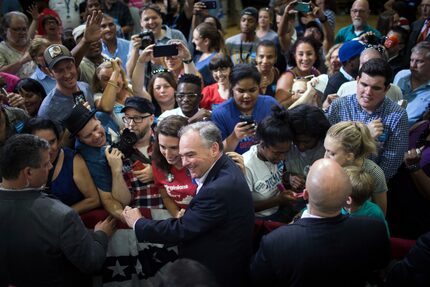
column 127, row 120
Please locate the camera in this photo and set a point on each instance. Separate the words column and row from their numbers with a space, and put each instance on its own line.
column 373, row 40
column 126, row 143
column 147, row 38
column 247, row 118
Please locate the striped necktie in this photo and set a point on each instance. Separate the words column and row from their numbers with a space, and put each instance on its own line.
column 423, row 34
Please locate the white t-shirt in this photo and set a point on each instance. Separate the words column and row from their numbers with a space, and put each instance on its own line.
column 350, row 88
column 262, row 178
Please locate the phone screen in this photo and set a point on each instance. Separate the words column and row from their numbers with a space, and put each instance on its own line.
column 79, row 98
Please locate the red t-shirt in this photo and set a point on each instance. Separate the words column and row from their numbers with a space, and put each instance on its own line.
column 211, row 97
column 181, row 189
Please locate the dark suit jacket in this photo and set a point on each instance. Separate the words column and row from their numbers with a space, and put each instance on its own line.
column 413, row 36
column 44, row 242
column 414, row 269
column 338, row 251
column 334, row 83
column 217, row 227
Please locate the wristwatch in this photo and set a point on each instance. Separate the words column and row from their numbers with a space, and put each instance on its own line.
column 187, row 61
column 413, row 167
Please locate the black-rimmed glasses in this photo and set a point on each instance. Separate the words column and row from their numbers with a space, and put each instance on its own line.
column 135, row 119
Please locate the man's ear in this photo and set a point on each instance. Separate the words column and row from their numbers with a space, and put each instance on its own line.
column 214, row 150
column 305, row 194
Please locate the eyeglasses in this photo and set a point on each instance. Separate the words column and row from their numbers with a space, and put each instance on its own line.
column 19, row 29
column 356, row 11
column 135, row 119
column 181, row 96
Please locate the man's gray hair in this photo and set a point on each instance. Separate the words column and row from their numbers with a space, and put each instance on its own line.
column 208, row 131
column 7, row 19
column 422, row 47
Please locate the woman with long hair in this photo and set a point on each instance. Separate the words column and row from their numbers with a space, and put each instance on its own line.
column 209, row 42
column 303, row 59
column 174, row 181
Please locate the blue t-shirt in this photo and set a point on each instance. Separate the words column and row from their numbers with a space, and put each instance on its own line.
column 95, row 156
column 226, row 116
column 203, row 68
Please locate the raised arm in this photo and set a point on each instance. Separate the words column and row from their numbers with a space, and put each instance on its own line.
column 138, row 79
column 92, row 34
column 285, row 29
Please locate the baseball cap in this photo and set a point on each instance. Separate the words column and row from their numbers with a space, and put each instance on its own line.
column 251, row 11
column 55, row 53
column 140, row 104
column 350, row 49
column 78, row 32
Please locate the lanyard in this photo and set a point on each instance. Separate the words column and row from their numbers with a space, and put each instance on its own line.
column 247, row 55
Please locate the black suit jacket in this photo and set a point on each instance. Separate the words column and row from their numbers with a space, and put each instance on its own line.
column 338, row 251
column 334, row 83
column 413, row 36
column 414, row 269
column 217, row 227
column 44, row 242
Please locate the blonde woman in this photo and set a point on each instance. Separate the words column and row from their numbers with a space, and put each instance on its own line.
column 350, row 143
column 111, row 89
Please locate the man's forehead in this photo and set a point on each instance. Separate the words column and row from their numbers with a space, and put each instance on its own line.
column 188, row 88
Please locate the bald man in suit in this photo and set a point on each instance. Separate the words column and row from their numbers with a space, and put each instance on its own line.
column 323, row 247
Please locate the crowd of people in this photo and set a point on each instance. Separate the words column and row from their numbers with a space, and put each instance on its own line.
column 139, row 106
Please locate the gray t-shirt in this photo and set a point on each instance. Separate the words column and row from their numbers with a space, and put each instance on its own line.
column 57, row 107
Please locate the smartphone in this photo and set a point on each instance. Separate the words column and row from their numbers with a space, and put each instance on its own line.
column 209, row 4
column 79, row 98
column 137, row 165
column 247, row 118
column 303, row 7
column 165, row 50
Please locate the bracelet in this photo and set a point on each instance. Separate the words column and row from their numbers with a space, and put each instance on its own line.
column 113, row 84
column 323, row 21
column 413, row 167
column 187, row 61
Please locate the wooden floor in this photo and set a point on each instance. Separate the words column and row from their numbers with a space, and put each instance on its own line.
column 341, row 21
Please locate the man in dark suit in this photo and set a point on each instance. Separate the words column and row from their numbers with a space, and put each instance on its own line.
column 418, row 28
column 43, row 241
column 216, row 229
column 323, row 247
column 349, row 56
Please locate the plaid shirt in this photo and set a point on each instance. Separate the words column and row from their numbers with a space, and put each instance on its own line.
column 145, row 195
column 392, row 144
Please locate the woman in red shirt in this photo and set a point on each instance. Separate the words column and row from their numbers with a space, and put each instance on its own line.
column 173, row 180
